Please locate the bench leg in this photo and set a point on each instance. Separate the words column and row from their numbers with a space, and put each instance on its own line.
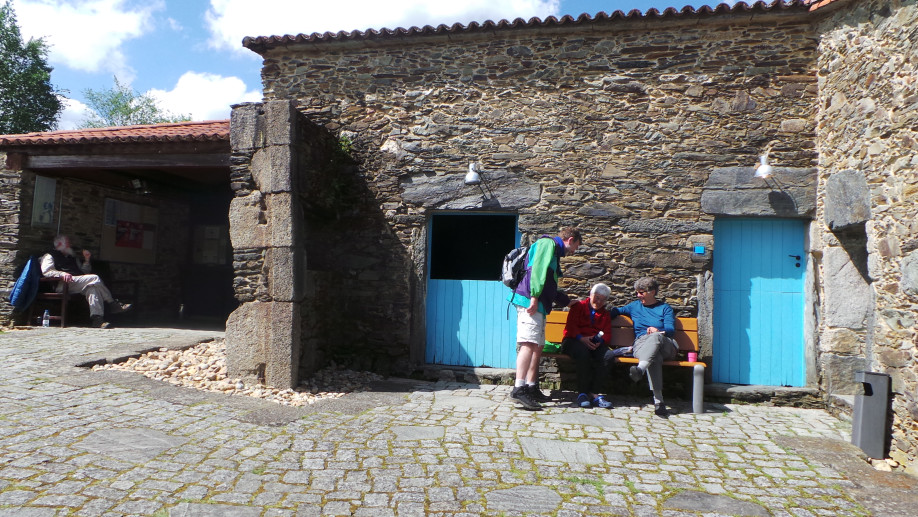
column 698, row 389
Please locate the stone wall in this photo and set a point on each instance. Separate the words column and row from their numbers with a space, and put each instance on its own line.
column 10, row 193
column 866, row 238
column 608, row 126
column 153, row 287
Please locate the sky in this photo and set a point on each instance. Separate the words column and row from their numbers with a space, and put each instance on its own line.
column 188, row 54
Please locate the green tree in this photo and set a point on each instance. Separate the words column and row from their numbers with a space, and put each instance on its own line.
column 28, row 100
column 121, row 105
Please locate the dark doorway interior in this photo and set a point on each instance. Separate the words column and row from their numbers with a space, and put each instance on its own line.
column 470, row 246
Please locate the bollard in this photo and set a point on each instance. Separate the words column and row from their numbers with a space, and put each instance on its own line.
column 869, row 427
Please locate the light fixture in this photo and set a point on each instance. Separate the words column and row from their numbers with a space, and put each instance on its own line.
column 764, row 170
column 140, row 186
column 475, row 177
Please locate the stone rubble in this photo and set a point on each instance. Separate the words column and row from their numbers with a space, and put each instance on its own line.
column 203, row 367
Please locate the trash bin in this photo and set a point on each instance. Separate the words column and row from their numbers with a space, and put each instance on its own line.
column 869, row 427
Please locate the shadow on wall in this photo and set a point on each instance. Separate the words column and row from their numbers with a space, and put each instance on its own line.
column 358, row 267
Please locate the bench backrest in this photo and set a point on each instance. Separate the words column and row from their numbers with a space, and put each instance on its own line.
column 623, row 331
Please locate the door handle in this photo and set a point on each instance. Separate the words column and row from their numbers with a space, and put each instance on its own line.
column 795, row 257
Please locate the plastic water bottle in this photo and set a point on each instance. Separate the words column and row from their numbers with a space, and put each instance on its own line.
column 597, row 338
column 46, row 319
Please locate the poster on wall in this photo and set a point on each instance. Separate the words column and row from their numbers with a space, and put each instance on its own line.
column 129, row 232
column 43, row 201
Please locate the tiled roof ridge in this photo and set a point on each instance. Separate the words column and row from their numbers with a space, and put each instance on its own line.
column 188, row 131
column 264, row 42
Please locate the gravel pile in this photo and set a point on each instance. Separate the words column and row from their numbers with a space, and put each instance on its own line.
column 203, row 367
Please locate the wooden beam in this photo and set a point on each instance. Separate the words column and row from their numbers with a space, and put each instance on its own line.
column 125, row 161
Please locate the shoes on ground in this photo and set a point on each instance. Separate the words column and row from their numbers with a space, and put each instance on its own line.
column 601, row 402
column 659, row 409
column 117, row 307
column 97, row 322
column 537, row 394
column 583, row 400
column 522, row 395
column 635, row 373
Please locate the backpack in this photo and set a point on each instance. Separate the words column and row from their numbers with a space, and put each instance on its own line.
column 26, row 286
column 514, row 267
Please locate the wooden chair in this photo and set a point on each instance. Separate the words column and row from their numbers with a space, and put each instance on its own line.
column 51, row 296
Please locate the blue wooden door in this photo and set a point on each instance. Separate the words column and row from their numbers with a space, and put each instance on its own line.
column 467, row 311
column 758, row 301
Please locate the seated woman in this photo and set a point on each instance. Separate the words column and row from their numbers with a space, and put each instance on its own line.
column 587, row 335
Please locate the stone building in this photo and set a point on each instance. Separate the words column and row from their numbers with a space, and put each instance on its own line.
column 150, row 203
column 357, row 241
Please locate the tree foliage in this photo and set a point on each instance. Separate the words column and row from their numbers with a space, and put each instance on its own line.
column 121, row 105
column 28, row 100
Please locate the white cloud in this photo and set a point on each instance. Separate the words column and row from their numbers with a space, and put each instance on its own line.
column 74, row 113
column 231, row 20
column 87, row 35
column 204, row 96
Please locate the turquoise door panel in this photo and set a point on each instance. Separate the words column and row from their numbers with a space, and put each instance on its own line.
column 467, row 312
column 758, row 301
column 467, row 324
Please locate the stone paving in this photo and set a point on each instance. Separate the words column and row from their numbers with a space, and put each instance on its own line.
column 78, row 442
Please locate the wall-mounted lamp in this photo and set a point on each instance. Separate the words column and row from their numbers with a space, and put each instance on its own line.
column 140, row 186
column 763, row 170
column 475, row 177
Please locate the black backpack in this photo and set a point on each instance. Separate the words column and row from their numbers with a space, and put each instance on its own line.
column 514, row 267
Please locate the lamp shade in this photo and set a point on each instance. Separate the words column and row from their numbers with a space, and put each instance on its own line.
column 763, row 170
column 472, row 177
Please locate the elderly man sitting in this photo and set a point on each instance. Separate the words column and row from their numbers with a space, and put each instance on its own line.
column 62, row 263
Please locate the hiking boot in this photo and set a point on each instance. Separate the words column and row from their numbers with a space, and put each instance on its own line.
column 659, row 409
column 537, row 395
column 601, row 402
column 117, row 307
column 583, row 400
column 97, row 322
column 635, row 373
column 521, row 394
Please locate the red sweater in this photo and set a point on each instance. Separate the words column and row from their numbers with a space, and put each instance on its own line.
column 584, row 321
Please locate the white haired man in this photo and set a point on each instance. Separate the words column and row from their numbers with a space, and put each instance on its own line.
column 62, row 263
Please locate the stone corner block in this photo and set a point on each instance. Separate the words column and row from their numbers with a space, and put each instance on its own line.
column 272, row 169
column 248, row 222
column 847, row 200
column 281, row 122
column 246, row 127
column 286, row 273
column 283, row 349
column 247, row 333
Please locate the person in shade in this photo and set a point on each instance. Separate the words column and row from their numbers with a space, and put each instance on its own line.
column 534, row 298
column 654, row 328
column 587, row 335
column 63, row 263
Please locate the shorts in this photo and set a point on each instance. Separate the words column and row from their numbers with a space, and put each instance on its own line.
column 529, row 329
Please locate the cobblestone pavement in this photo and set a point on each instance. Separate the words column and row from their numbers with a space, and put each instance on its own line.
column 78, row 442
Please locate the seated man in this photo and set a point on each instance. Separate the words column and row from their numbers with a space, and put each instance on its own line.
column 587, row 334
column 654, row 328
column 62, row 263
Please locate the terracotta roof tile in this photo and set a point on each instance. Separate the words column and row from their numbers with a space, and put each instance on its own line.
column 206, row 131
column 262, row 43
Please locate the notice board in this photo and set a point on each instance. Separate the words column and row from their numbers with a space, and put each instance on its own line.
column 129, row 232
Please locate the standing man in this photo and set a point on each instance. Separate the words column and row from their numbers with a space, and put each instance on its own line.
column 534, row 297
column 654, row 328
column 62, row 263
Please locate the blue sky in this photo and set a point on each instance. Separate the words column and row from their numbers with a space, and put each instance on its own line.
column 189, row 54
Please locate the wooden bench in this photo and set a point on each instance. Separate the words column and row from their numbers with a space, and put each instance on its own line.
column 623, row 335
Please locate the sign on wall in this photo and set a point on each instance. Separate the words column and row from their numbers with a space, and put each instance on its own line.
column 129, row 232
column 43, row 201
